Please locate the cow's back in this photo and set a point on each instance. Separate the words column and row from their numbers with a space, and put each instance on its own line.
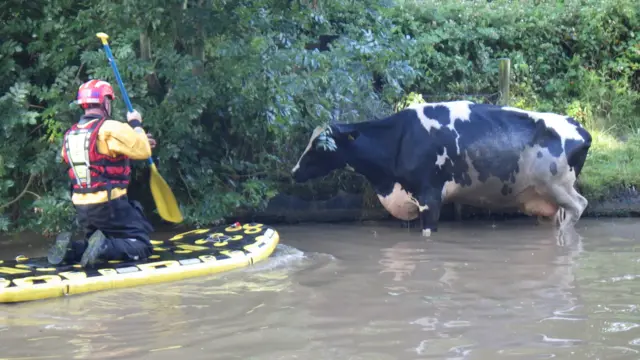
column 494, row 153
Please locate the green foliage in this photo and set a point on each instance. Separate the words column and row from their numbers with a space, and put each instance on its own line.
column 227, row 88
column 231, row 90
column 585, row 50
column 613, row 164
column 5, row 224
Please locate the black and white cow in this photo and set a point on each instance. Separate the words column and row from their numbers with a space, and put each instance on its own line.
column 476, row 154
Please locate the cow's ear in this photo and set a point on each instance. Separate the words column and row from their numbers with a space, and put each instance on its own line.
column 344, row 133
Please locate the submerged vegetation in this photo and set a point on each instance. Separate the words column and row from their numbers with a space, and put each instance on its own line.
column 231, row 89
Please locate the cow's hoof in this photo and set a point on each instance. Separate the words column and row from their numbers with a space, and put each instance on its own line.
column 426, row 232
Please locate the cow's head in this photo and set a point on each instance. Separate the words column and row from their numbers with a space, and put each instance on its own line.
column 324, row 153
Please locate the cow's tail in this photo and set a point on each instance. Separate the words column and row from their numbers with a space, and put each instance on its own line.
column 578, row 151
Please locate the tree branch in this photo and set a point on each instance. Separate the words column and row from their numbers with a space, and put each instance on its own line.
column 25, row 191
column 35, row 129
column 186, row 186
column 34, row 194
column 79, row 70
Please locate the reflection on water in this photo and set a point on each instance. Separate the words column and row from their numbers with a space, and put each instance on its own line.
column 472, row 291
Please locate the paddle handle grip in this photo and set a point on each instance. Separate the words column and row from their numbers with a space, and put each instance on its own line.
column 105, row 44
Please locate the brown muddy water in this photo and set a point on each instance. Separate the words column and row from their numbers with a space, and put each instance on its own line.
column 475, row 290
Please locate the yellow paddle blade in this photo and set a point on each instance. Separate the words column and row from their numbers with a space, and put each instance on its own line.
column 163, row 196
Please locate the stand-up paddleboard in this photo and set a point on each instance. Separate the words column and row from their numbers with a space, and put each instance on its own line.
column 194, row 253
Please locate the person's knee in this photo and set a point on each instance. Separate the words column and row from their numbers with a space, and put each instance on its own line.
column 142, row 219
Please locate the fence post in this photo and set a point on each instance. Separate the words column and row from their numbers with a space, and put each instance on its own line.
column 504, row 73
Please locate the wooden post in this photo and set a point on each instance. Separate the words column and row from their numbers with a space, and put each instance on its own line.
column 504, row 77
column 145, row 46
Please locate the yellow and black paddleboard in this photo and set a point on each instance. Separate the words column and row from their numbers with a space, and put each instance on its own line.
column 194, row 253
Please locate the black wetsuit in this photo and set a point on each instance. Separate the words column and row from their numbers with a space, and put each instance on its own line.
column 122, row 221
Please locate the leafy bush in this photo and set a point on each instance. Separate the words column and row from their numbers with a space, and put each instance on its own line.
column 228, row 89
column 231, row 90
column 585, row 50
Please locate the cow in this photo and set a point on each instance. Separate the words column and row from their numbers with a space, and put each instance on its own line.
column 484, row 155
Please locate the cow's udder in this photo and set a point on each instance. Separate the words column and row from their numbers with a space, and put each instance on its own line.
column 400, row 204
column 533, row 203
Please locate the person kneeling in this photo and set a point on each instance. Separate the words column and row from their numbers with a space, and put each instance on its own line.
column 98, row 150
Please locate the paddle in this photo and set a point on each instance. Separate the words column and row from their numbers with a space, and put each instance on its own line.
column 162, row 194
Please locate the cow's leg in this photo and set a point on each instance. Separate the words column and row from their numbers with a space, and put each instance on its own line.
column 570, row 214
column 429, row 204
column 429, row 220
column 583, row 201
column 572, row 206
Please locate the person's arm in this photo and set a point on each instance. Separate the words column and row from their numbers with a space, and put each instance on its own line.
column 135, row 121
column 127, row 139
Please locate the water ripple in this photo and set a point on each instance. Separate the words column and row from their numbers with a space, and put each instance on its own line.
column 561, row 341
column 505, row 293
column 620, row 326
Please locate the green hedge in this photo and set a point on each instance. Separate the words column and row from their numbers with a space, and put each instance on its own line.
column 231, row 89
column 577, row 57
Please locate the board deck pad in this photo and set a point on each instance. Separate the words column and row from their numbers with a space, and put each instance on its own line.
column 193, row 253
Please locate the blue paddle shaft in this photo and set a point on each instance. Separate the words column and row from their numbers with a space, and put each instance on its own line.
column 125, row 96
column 112, row 62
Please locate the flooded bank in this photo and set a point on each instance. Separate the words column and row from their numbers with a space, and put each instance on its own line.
column 475, row 290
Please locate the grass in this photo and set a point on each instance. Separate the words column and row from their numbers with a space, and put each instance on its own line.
column 613, row 165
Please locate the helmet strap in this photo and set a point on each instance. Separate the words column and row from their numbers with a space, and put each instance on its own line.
column 106, row 107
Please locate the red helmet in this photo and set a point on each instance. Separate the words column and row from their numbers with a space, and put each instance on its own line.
column 94, row 92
